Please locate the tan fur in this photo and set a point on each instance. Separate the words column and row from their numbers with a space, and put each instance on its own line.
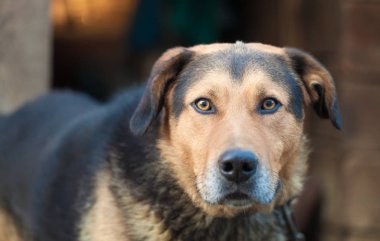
column 199, row 140
column 106, row 221
column 142, row 221
column 103, row 221
column 8, row 229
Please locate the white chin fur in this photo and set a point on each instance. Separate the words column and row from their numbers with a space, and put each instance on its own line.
column 260, row 188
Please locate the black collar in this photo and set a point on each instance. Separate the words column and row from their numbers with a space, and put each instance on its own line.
column 286, row 220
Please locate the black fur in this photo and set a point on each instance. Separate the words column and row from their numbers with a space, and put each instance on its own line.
column 304, row 64
column 164, row 73
column 50, row 151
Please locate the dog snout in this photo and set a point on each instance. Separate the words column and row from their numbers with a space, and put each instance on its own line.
column 238, row 165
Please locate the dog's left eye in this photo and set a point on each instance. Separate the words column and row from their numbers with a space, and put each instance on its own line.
column 269, row 105
column 203, row 106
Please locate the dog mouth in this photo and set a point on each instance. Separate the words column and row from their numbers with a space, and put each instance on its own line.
column 237, row 199
column 237, row 196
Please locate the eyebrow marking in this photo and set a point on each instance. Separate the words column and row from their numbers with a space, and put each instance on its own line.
column 212, row 93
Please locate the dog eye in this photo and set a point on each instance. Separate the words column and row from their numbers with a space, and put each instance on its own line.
column 203, row 106
column 269, row 105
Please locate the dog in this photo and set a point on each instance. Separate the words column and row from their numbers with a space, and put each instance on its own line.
column 206, row 151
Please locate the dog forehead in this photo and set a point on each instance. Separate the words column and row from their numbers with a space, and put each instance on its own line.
column 216, row 47
column 236, row 59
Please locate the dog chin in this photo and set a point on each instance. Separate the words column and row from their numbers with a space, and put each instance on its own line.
column 239, row 198
column 235, row 204
column 229, row 208
column 242, row 200
column 238, row 203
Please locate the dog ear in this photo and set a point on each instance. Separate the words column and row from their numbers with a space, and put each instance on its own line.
column 318, row 83
column 163, row 74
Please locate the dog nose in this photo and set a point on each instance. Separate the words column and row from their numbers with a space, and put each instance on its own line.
column 238, row 165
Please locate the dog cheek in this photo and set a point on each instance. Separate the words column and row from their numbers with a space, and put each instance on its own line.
column 292, row 138
column 288, row 130
column 209, row 186
column 189, row 142
column 265, row 186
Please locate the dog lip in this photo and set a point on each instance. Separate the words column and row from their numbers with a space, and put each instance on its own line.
column 237, row 199
column 237, row 196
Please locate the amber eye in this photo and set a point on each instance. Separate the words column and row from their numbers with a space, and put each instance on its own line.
column 269, row 105
column 203, row 106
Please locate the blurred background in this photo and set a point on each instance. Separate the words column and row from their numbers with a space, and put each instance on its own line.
column 101, row 46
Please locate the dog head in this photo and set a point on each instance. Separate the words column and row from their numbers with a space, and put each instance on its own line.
column 231, row 121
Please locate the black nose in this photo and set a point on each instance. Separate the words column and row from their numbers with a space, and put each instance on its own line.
column 238, row 165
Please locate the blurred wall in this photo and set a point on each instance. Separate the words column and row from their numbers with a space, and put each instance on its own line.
column 24, row 51
column 88, row 45
column 350, row 164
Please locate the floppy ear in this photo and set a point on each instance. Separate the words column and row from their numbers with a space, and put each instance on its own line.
column 163, row 74
column 318, row 83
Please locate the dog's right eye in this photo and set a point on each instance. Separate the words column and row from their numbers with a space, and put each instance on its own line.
column 203, row 106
